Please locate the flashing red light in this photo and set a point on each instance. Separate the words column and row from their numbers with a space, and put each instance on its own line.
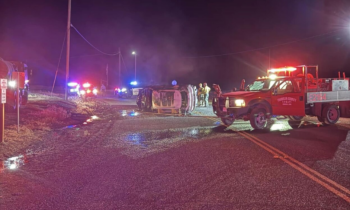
column 116, row 88
column 86, row 85
column 282, row 69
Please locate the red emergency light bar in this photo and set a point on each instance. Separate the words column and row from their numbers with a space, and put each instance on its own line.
column 282, row 69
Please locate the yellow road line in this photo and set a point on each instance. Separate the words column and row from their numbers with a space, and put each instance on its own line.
column 285, row 156
column 298, row 166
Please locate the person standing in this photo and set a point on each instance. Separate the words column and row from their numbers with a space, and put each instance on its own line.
column 200, row 94
column 206, row 91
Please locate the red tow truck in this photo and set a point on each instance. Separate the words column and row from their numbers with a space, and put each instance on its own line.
column 289, row 91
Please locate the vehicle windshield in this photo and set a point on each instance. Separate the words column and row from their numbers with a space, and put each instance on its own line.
column 261, row 85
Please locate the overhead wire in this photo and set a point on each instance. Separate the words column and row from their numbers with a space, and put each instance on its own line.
column 111, row 54
column 261, row 48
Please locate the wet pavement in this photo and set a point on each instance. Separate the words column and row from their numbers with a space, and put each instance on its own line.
column 126, row 159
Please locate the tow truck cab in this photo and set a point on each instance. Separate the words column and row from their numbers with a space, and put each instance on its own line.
column 288, row 91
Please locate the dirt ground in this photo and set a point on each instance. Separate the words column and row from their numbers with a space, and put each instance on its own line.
column 44, row 113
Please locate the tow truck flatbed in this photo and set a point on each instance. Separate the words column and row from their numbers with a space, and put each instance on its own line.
column 329, row 96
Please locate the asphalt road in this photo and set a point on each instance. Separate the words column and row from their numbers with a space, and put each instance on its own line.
column 132, row 160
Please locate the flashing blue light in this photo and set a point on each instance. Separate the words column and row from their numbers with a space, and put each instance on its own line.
column 174, row 82
column 71, row 84
column 133, row 83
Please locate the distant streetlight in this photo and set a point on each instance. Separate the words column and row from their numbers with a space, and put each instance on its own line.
column 134, row 53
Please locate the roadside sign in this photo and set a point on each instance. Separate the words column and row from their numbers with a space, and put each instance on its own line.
column 3, row 83
column 3, row 96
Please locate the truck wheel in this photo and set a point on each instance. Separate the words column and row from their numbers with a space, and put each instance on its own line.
column 258, row 118
column 227, row 120
column 330, row 114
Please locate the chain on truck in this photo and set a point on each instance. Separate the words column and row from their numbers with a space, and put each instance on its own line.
column 289, row 91
column 16, row 74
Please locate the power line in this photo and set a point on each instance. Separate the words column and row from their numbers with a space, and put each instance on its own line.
column 261, row 48
column 92, row 44
column 79, row 56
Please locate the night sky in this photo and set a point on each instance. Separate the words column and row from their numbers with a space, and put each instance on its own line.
column 176, row 39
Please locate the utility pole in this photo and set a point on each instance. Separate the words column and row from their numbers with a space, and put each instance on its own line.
column 68, row 49
column 119, row 77
column 17, row 102
column 107, row 74
column 269, row 58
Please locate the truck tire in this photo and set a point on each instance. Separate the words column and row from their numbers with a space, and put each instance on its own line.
column 227, row 120
column 330, row 114
column 258, row 119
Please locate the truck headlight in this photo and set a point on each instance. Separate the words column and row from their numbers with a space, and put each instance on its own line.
column 123, row 89
column 82, row 92
column 94, row 91
column 239, row 102
column 12, row 84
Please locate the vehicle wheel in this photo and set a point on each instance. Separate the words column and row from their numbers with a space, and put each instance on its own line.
column 258, row 118
column 227, row 120
column 295, row 118
column 330, row 114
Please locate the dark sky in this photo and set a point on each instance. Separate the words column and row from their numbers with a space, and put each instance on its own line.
column 168, row 37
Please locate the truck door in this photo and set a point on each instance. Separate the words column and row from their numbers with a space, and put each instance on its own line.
column 287, row 98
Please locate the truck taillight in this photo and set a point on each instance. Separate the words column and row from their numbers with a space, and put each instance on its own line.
column 86, row 85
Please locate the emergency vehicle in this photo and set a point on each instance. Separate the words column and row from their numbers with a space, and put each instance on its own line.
column 88, row 91
column 16, row 73
column 289, row 91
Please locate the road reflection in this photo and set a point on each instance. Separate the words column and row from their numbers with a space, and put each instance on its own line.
column 146, row 138
column 13, row 163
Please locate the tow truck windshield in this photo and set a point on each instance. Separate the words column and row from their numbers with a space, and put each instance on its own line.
column 261, row 85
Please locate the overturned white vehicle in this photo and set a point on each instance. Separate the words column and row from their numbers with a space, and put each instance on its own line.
column 179, row 97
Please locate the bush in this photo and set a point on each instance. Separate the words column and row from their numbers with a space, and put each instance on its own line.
column 42, row 119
